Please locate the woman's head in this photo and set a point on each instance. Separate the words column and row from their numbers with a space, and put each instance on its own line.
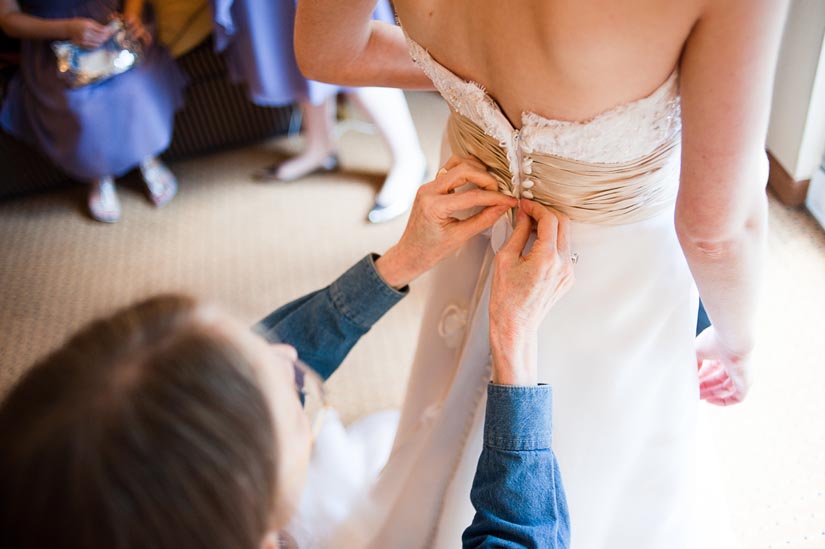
column 166, row 425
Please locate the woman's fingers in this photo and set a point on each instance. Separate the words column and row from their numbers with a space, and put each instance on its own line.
column 451, row 163
column 547, row 222
column 484, row 219
column 723, row 395
column 563, row 239
column 108, row 32
column 95, row 27
column 711, row 376
column 461, row 174
column 546, row 229
column 97, row 34
column 93, row 43
column 451, row 203
column 717, row 386
column 101, row 31
column 455, row 160
column 723, row 378
column 521, row 234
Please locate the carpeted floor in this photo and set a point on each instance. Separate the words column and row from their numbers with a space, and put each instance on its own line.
column 252, row 247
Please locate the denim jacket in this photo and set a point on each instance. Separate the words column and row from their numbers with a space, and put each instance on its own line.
column 517, row 491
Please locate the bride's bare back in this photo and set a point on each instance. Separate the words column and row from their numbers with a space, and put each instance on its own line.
column 563, row 60
column 571, row 60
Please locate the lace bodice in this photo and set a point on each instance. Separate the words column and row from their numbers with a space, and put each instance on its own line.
column 620, row 134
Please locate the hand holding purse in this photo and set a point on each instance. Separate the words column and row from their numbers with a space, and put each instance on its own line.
column 80, row 67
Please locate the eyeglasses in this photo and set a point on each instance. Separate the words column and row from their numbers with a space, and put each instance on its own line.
column 310, row 389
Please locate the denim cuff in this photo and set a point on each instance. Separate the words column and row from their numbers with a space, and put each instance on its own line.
column 362, row 296
column 518, row 418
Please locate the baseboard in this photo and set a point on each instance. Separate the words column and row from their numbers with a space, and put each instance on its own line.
column 789, row 191
column 816, row 196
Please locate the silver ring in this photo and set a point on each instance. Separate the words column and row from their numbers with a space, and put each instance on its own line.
column 574, row 257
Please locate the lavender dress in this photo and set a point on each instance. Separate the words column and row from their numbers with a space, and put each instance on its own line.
column 100, row 129
column 256, row 36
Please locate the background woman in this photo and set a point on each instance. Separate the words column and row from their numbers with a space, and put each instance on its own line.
column 100, row 131
column 258, row 38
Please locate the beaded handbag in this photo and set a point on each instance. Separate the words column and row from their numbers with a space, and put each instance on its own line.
column 80, row 67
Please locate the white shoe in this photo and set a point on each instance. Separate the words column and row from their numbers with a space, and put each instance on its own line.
column 104, row 205
column 160, row 181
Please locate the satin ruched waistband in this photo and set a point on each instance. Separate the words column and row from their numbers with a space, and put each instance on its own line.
column 586, row 192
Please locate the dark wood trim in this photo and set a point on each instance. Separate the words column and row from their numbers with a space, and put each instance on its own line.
column 789, row 191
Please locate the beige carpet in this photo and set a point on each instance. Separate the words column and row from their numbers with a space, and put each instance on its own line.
column 252, row 247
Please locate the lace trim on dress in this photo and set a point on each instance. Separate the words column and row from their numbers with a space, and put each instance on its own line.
column 620, row 134
column 467, row 98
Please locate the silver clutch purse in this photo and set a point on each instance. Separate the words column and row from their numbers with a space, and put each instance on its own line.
column 80, row 67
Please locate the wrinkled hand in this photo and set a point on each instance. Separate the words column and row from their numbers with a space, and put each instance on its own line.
column 87, row 33
column 724, row 376
column 524, row 288
column 136, row 29
column 433, row 232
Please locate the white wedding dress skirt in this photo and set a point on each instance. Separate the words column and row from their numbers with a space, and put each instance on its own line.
column 618, row 352
column 617, row 349
column 625, row 393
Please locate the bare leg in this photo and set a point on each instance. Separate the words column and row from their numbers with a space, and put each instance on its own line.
column 319, row 149
column 104, row 205
column 389, row 112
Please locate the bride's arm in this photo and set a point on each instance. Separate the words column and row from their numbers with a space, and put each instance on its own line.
column 336, row 41
column 727, row 72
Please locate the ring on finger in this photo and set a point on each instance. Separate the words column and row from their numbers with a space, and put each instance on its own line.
column 442, row 171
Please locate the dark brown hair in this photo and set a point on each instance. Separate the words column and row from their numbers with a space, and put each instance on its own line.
column 146, row 430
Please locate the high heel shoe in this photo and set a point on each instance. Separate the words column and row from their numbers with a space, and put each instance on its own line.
column 104, row 205
column 330, row 163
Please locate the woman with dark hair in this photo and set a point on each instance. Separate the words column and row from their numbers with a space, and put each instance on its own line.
column 170, row 425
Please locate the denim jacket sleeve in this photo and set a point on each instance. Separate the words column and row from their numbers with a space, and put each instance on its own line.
column 517, row 491
column 324, row 326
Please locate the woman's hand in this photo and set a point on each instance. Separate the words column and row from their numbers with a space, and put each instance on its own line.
column 724, row 376
column 87, row 33
column 525, row 286
column 136, row 29
column 433, row 232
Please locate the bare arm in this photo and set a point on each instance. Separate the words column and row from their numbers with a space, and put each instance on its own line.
column 17, row 24
column 727, row 79
column 354, row 51
column 83, row 32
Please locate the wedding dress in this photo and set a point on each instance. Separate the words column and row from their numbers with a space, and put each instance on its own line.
column 617, row 349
